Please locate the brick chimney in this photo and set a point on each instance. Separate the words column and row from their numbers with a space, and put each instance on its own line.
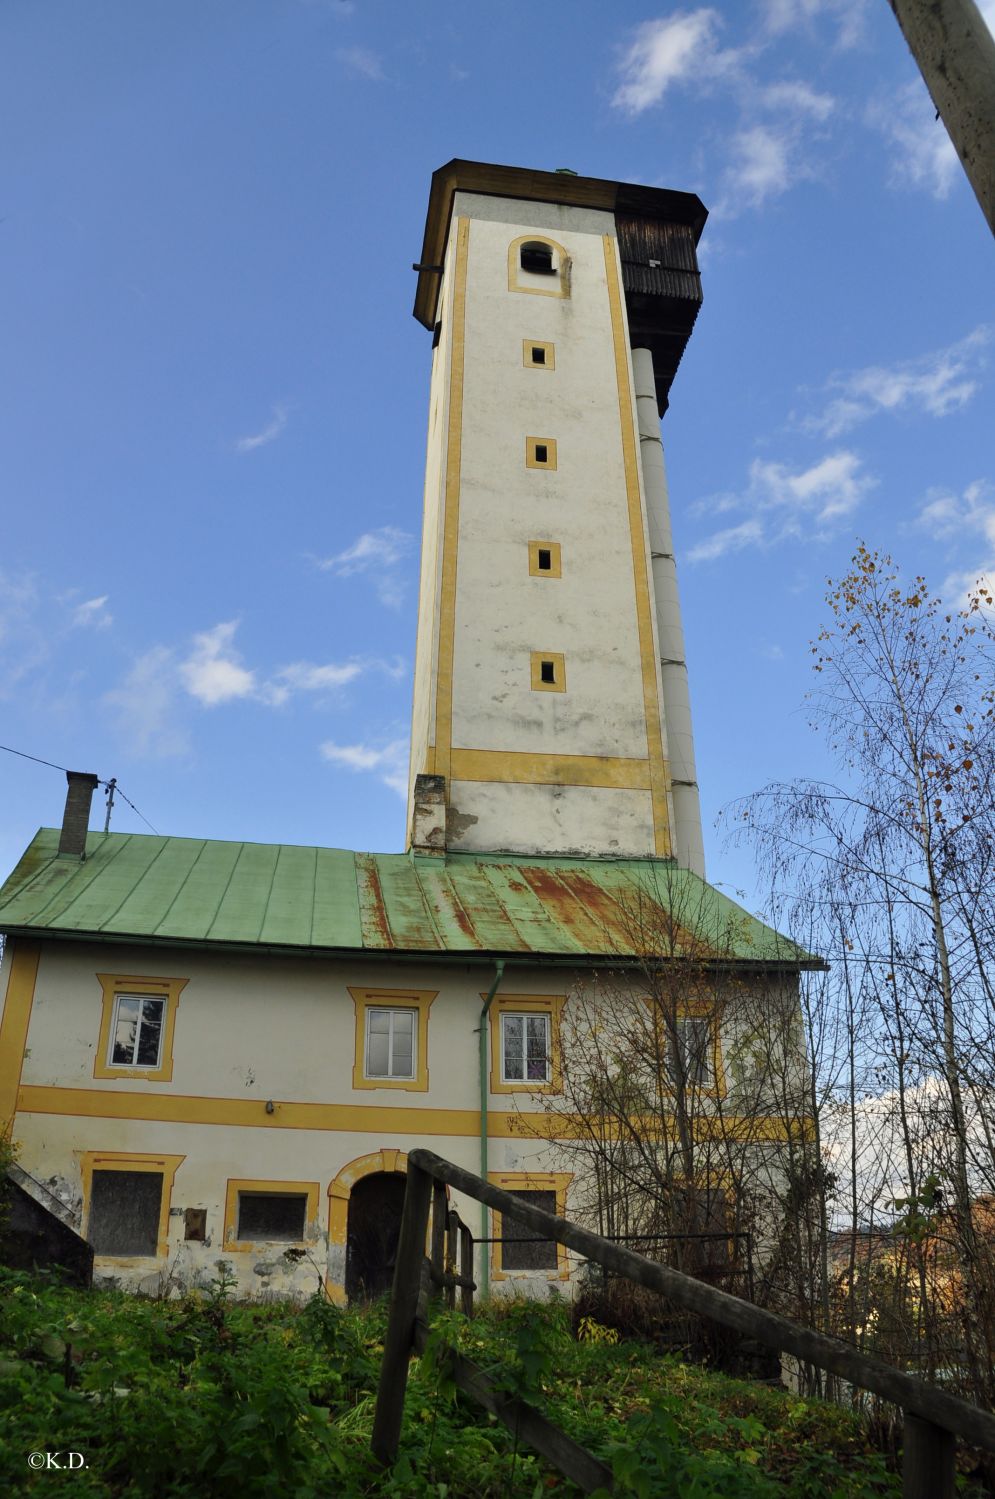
column 428, row 815
column 76, row 817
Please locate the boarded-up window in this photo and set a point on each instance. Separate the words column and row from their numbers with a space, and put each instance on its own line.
column 125, row 1207
column 271, row 1215
column 516, row 1252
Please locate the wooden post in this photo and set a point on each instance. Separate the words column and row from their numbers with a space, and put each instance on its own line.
column 403, row 1307
column 466, row 1268
column 452, row 1234
column 928, row 1465
column 440, row 1208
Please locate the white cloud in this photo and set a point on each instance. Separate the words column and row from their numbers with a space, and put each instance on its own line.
column 787, row 503
column 798, row 98
column 274, row 428
column 967, row 519
column 389, row 761
column 379, row 553
column 732, row 539
column 93, row 614
column 935, row 383
column 363, row 61
column 668, row 51
column 146, row 709
column 304, row 676
column 788, row 15
column 761, row 167
column 923, row 156
column 213, row 673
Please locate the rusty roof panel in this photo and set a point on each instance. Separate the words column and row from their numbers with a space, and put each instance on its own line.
column 135, row 886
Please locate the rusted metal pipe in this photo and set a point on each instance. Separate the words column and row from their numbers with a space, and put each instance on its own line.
column 485, row 1269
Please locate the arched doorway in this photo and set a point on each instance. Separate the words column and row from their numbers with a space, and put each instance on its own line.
column 374, row 1222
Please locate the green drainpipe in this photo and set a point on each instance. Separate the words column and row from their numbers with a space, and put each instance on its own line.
column 485, row 1263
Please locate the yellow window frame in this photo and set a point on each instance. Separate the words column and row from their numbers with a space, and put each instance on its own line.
column 527, row 1004
column 531, row 461
column 100, row 1160
column 114, row 985
column 555, row 568
column 530, row 1181
column 309, row 1190
column 559, row 682
column 528, row 344
column 560, row 276
column 689, row 1010
column 419, row 1000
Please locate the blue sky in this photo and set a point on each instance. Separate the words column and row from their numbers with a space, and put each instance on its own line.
column 215, row 394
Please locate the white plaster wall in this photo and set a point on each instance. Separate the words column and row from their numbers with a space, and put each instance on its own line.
column 264, row 1027
column 427, row 643
column 593, row 821
column 502, row 614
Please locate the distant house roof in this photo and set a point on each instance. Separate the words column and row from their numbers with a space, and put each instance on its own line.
column 271, row 896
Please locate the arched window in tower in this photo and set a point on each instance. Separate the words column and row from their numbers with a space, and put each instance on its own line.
column 536, row 256
column 538, row 265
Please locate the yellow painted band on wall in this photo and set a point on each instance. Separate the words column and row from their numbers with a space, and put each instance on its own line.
column 14, row 1026
column 640, row 561
column 450, row 529
column 550, row 770
column 180, row 1108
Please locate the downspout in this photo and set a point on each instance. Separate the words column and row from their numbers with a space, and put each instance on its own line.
column 485, row 1263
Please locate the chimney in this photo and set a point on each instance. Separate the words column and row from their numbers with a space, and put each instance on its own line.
column 76, row 817
column 428, row 817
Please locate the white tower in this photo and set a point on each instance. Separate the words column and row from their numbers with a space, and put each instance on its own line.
column 551, row 711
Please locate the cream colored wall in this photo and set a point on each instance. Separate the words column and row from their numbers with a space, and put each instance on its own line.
column 248, row 1030
column 502, row 614
column 427, row 641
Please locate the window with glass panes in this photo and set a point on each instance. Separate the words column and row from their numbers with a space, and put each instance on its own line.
column 695, row 1043
column 136, row 1035
column 525, row 1048
column 390, row 1042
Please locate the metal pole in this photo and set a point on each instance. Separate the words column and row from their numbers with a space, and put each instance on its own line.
column 485, row 1268
column 955, row 53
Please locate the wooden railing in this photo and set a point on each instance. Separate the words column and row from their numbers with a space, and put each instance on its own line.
column 932, row 1418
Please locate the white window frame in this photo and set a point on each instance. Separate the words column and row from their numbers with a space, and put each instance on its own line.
column 143, row 999
column 527, row 1015
column 707, row 1082
column 391, row 1075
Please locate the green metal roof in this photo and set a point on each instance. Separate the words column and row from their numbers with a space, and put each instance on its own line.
column 260, row 895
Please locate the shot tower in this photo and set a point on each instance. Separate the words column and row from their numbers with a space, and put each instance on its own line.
column 551, row 706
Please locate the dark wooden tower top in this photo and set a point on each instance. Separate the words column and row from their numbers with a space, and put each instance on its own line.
column 658, row 231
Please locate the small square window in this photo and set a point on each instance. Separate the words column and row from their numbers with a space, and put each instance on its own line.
column 391, row 1040
column 195, row 1225
column 137, row 1025
column 538, row 356
column 537, row 258
column 520, row 1248
column 548, row 670
column 272, row 1216
column 540, row 452
column 544, row 559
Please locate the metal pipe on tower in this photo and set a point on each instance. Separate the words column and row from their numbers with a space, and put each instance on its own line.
column 689, row 849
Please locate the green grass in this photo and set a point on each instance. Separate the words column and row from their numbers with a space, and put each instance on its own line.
column 202, row 1397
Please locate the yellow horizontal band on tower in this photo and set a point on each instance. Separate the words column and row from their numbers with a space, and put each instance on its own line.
column 550, row 770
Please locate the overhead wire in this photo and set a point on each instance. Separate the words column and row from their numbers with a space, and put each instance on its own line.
column 111, row 784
